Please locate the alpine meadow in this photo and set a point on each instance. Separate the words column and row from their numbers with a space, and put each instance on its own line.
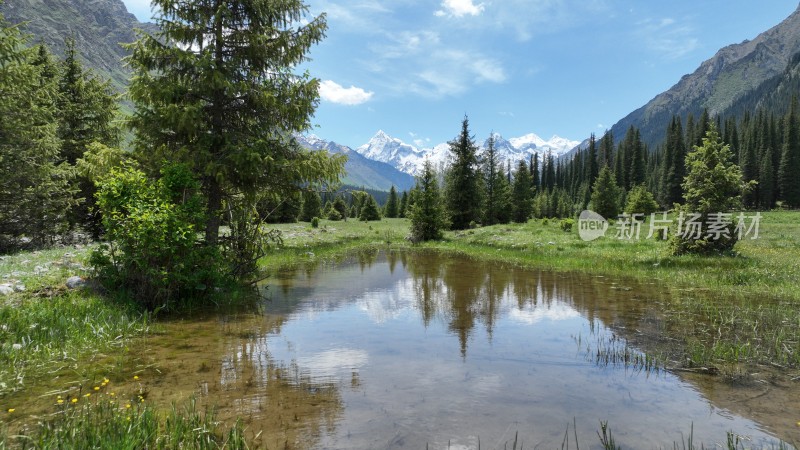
column 206, row 244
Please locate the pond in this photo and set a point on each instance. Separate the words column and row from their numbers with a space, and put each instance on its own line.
column 420, row 350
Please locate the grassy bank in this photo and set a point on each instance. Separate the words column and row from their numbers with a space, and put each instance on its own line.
column 47, row 327
column 726, row 313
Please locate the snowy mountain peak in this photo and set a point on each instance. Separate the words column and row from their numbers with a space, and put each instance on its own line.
column 410, row 159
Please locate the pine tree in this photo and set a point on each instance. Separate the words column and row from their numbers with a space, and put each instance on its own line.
column 712, row 185
column 605, row 194
column 497, row 191
column 637, row 174
column 790, row 159
column 551, row 171
column 35, row 192
column 750, row 169
column 521, row 200
column 606, row 149
column 590, row 162
column 463, row 187
column 312, row 206
column 369, row 210
column 340, row 206
column 427, row 214
column 766, row 181
column 536, row 181
column 391, row 209
column 674, row 166
column 86, row 107
column 217, row 90
column 403, row 209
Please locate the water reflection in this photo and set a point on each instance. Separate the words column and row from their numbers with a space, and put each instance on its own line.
column 227, row 364
column 477, row 294
column 440, row 351
column 390, row 350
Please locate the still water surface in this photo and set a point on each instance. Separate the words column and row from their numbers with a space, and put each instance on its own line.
column 404, row 350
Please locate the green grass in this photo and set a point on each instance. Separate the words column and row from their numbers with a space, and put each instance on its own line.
column 105, row 422
column 47, row 327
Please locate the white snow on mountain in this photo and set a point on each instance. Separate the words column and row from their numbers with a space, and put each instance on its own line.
column 410, row 159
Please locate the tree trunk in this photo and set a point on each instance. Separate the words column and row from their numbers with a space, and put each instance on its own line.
column 213, row 208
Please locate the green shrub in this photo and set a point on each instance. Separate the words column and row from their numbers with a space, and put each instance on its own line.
column 566, row 225
column 152, row 230
column 334, row 215
column 315, row 222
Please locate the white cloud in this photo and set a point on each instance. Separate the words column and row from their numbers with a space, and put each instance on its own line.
column 667, row 37
column 459, row 8
column 488, row 70
column 335, row 93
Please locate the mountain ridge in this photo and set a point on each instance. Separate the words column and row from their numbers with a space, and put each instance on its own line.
column 99, row 27
column 409, row 159
column 360, row 171
column 719, row 82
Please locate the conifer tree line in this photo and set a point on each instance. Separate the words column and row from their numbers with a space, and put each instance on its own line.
column 612, row 176
column 53, row 112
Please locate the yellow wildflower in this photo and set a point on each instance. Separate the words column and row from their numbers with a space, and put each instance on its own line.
column 11, row 410
column 87, row 394
column 136, row 377
column 127, row 405
column 106, row 380
column 97, row 388
column 75, row 400
column 59, row 401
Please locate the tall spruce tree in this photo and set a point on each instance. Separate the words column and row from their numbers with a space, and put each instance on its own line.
column 35, row 193
column 369, row 210
column 605, row 194
column 712, row 185
column 591, row 168
column 637, row 172
column 392, row 207
column 789, row 169
column 217, row 89
column 674, row 165
column 426, row 212
column 312, row 206
column 403, row 208
column 496, row 187
column 536, row 180
column 521, row 199
column 463, row 186
column 766, row 181
column 86, row 109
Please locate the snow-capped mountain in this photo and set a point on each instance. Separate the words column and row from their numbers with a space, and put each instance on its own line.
column 361, row 171
column 409, row 159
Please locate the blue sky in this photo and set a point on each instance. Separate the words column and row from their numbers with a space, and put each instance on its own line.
column 568, row 67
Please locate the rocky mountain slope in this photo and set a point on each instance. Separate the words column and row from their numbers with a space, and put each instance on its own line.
column 362, row 171
column 98, row 26
column 720, row 82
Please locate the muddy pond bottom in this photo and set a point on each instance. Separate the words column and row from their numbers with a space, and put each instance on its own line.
column 407, row 350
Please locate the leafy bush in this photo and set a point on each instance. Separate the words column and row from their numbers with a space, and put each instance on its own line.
column 152, row 229
column 641, row 201
column 334, row 214
column 566, row 225
column 315, row 222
